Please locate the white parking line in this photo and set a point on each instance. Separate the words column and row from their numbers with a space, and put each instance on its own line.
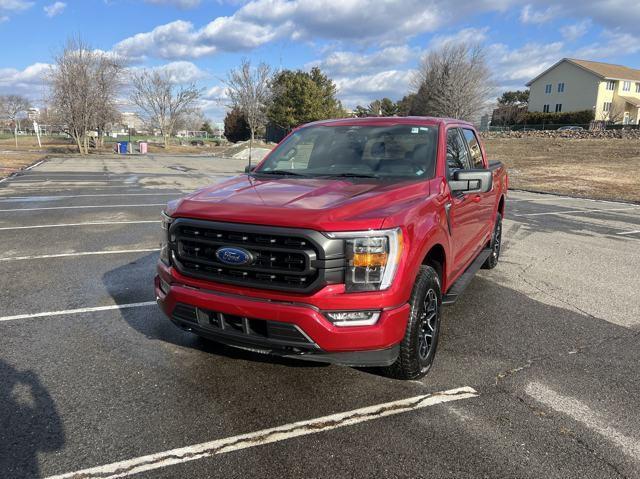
column 55, row 197
column 90, row 223
column 77, row 311
column 580, row 412
column 83, row 253
column 577, row 211
column 267, row 436
column 80, row 207
column 629, row 232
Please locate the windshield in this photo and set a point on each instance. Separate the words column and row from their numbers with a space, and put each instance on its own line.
column 398, row 151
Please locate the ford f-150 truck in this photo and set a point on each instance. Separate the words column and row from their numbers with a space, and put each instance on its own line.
column 341, row 246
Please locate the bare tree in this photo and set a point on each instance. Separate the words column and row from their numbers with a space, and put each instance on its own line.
column 11, row 106
column 193, row 121
column 84, row 87
column 453, row 81
column 163, row 104
column 109, row 82
column 249, row 90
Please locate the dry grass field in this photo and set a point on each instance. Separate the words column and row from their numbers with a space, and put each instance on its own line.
column 590, row 168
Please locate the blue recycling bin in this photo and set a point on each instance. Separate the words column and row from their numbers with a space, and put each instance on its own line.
column 123, row 147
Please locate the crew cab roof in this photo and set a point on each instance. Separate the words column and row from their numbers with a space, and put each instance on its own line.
column 389, row 120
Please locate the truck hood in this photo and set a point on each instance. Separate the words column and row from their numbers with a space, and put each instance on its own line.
column 316, row 203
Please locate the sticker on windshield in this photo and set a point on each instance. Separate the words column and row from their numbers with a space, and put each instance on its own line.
column 415, row 129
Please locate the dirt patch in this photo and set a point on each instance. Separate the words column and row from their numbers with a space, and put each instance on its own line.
column 590, row 168
column 13, row 159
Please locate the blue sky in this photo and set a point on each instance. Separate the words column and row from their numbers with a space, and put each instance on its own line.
column 369, row 47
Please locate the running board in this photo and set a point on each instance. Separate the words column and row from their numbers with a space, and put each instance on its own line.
column 463, row 281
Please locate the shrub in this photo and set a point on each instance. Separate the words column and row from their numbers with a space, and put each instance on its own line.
column 562, row 118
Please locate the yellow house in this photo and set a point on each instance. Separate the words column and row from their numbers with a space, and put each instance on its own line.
column 611, row 91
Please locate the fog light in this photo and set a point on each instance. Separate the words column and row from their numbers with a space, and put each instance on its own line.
column 353, row 318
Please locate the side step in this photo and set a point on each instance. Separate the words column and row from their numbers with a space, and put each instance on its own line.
column 463, row 281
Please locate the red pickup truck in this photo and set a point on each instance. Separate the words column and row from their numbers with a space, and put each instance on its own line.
column 341, row 246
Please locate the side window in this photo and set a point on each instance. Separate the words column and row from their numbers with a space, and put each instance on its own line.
column 474, row 148
column 457, row 154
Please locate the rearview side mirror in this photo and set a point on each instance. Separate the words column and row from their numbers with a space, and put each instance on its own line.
column 250, row 168
column 471, row 181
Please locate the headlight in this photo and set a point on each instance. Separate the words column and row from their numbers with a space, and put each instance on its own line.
column 353, row 318
column 373, row 258
column 164, row 238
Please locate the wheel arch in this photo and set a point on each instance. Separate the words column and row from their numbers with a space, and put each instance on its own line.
column 501, row 206
column 437, row 259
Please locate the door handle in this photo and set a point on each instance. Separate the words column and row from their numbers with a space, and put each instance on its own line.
column 476, row 198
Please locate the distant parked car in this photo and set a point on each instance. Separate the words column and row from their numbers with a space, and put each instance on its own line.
column 570, row 128
column 197, row 143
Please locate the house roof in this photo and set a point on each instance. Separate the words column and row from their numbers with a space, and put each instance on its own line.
column 600, row 69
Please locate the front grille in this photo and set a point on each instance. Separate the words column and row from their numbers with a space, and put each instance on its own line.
column 259, row 332
column 284, row 259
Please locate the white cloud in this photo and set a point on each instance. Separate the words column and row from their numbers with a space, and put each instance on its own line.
column 29, row 81
column 177, row 3
column 530, row 15
column 15, row 5
column 183, row 72
column 612, row 43
column 365, row 88
column 261, row 21
column 172, row 40
column 179, row 72
column 344, row 63
column 576, row 30
column 519, row 65
column 466, row 35
column 12, row 6
column 54, row 9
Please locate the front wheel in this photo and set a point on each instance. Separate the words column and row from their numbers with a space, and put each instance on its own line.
column 418, row 348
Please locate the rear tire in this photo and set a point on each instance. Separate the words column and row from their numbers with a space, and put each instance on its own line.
column 418, row 347
column 495, row 245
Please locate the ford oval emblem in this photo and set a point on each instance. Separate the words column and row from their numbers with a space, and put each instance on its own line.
column 234, row 256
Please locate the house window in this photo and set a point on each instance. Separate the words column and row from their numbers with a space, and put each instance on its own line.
column 611, row 85
column 626, row 86
column 637, row 87
column 558, row 107
column 560, row 87
column 545, row 108
column 548, row 88
column 606, row 107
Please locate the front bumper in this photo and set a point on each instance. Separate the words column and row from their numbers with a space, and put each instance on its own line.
column 375, row 345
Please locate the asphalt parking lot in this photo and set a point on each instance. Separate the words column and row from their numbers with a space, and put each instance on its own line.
column 537, row 368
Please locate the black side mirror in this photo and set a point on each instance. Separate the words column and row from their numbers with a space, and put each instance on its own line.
column 250, row 168
column 471, row 181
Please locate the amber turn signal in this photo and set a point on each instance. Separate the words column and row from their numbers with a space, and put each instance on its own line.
column 363, row 260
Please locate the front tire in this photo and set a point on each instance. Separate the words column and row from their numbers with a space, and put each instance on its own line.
column 418, row 347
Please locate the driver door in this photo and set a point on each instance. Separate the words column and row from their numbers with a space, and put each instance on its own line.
column 464, row 221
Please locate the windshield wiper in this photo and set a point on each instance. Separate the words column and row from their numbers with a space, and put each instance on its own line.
column 278, row 172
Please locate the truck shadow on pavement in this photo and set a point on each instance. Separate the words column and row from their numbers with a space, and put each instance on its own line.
column 165, row 330
column 29, row 423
